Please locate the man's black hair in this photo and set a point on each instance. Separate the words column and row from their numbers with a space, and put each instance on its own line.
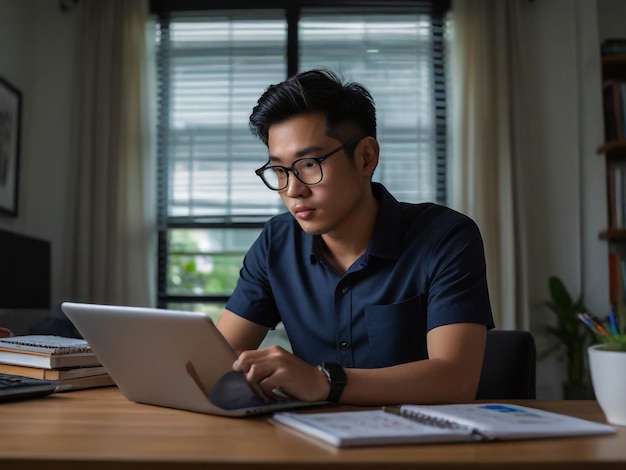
column 348, row 107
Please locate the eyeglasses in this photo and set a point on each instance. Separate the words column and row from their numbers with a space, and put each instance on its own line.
column 307, row 170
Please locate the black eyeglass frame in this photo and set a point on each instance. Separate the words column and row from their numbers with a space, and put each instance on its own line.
column 259, row 171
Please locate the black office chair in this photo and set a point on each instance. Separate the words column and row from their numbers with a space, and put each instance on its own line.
column 508, row 367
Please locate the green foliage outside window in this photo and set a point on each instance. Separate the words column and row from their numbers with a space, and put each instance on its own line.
column 206, row 262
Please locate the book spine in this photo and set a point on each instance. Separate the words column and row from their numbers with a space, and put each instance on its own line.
column 610, row 192
column 623, row 99
column 33, row 372
column 613, row 46
column 610, row 132
column 615, row 277
column 617, row 109
column 619, row 197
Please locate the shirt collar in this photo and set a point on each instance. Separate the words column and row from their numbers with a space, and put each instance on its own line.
column 386, row 239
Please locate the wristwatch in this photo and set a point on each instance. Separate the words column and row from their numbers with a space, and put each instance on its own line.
column 337, row 378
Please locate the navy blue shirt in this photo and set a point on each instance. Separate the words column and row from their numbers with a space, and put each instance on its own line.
column 424, row 268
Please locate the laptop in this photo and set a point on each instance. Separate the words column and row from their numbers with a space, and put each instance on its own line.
column 170, row 358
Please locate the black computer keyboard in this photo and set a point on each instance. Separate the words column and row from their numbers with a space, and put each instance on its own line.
column 16, row 387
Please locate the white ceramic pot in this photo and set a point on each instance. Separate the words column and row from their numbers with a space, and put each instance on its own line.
column 608, row 376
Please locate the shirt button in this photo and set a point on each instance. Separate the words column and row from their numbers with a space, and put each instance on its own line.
column 344, row 346
column 344, row 290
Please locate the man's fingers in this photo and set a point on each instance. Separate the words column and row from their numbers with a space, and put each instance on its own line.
column 259, row 392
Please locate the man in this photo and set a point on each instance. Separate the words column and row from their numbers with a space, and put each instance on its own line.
column 383, row 302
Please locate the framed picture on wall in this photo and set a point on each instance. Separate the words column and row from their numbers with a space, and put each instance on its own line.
column 10, row 116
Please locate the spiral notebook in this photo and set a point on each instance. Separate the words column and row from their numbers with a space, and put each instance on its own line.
column 422, row 424
column 46, row 351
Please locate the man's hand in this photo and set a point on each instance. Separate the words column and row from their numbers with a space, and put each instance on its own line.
column 273, row 367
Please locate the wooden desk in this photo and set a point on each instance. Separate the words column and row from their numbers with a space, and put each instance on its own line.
column 99, row 429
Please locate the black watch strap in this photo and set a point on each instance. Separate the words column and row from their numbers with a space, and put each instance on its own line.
column 337, row 378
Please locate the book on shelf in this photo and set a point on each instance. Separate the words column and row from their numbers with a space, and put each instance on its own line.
column 613, row 46
column 619, row 196
column 617, row 278
column 46, row 351
column 614, row 109
column 616, row 195
column 421, row 424
column 52, row 374
column 610, row 192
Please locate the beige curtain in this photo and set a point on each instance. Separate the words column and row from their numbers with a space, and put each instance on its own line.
column 111, row 257
column 487, row 136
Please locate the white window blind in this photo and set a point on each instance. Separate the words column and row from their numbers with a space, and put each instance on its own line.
column 393, row 55
column 213, row 68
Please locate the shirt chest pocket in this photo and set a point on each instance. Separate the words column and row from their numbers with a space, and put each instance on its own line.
column 397, row 332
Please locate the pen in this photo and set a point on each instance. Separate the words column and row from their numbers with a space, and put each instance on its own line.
column 613, row 321
column 589, row 324
column 597, row 324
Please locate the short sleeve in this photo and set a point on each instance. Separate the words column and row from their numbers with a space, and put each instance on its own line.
column 252, row 298
column 458, row 291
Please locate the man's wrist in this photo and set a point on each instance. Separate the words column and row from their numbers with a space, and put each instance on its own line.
column 337, row 378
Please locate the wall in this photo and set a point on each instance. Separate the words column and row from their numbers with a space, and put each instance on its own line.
column 37, row 57
column 611, row 14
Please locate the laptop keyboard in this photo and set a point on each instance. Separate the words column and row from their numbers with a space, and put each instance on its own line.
column 15, row 387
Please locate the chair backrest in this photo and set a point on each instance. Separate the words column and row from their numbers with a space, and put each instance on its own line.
column 508, row 367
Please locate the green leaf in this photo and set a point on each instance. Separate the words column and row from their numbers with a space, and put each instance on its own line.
column 559, row 294
column 569, row 332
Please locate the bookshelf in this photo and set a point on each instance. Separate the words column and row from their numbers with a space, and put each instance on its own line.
column 614, row 152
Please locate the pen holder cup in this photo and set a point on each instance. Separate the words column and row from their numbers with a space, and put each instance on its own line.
column 608, row 377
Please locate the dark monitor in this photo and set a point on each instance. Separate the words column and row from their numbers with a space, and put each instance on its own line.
column 24, row 271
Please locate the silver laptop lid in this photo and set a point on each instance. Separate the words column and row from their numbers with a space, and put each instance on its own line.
column 169, row 358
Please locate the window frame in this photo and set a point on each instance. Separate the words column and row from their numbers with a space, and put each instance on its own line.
column 162, row 9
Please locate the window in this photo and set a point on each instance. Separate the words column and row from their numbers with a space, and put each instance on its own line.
column 213, row 65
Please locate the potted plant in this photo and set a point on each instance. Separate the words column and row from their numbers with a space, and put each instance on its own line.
column 572, row 338
column 607, row 363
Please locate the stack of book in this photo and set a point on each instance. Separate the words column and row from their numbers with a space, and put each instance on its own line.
column 68, row 361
